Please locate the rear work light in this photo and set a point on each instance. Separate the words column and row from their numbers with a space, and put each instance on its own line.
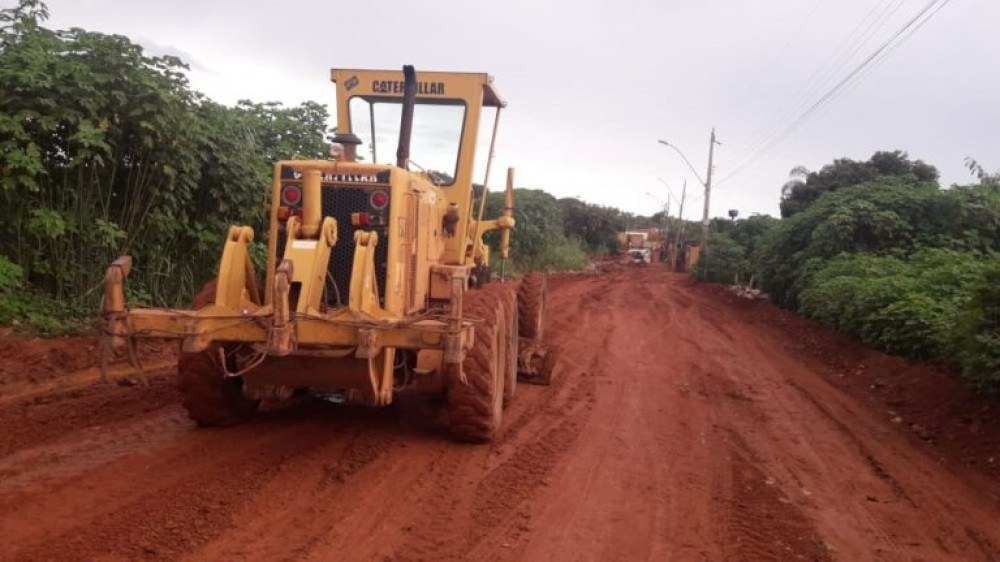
column 378, row 199
column 291, row 195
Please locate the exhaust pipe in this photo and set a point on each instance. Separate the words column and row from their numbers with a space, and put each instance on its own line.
column 406, row 120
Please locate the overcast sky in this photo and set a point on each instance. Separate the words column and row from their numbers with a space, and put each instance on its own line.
column 592, row 85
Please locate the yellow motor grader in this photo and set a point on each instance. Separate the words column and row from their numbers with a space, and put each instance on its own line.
column 377, row 275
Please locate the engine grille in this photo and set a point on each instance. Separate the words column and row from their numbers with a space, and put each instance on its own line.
column 339, row 202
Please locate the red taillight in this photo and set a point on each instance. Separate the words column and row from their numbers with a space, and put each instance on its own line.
column 291, row 195
column 379, row 199
column 361, row 219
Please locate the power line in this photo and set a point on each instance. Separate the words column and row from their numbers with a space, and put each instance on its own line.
column 906, row 37
column 838, row 62
column 819, row 77
column 911, row 26
column 778, row 61
column 878, row 55
column 841, row 62
column 878, row 61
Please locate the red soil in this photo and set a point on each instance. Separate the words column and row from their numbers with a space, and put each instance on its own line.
column 684, row 424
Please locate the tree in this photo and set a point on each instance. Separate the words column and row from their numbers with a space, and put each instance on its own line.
column 985, row 178
column 105, row 150
column 596, row 226
column 798, row 193
column 539, row 240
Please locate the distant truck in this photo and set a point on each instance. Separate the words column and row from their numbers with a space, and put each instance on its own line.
column 640, row 246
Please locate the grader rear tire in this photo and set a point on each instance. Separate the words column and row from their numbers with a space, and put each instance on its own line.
column 510, row 316
column 531, row 305
column 475, row 408
column 209, row 398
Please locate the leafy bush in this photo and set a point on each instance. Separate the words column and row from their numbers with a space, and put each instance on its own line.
column 560, row 254
column 731, row 247
column 878, row 250
column 539, row 240
column 20, row 307
column 724, row 262
column 11, row 275
column 889, row 217
column 977, row 337
column 905, row 306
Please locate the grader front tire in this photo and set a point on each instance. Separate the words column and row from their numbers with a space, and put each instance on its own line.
column 475, row 408
column 209, row 397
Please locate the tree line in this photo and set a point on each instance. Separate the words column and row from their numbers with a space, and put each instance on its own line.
column 106, row 150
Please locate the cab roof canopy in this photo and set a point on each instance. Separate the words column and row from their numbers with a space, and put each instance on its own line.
column 432, row 84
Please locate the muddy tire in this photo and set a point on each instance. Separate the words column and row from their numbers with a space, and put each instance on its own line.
column 531, row 298
column 510, row 337
column 475, row 408
column 209, row 398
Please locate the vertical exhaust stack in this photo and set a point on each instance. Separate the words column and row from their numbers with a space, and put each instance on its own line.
column 406, row 119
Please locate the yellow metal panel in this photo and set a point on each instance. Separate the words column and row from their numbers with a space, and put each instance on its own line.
column 272, row 233
column 231, row 278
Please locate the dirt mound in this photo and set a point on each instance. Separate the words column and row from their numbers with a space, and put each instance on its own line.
column 25, row 359
column 30, row 361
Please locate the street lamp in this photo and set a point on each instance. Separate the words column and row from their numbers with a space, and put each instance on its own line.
column 707, row 183
column 686, row 161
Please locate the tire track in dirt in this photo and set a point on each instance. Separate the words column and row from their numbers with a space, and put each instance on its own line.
column 174, row 502
column 764, row 523
column 306, row 499
column 42, row 418
column 675, row 430
column 516, row 468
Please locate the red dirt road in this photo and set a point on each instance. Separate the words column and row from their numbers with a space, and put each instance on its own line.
column 678, row 429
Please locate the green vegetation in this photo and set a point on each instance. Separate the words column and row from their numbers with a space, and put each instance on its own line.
column 732, row 244
column 596, row 227
column 803, row 188
column 540, row 241
column 878, row 250
column 106, row 150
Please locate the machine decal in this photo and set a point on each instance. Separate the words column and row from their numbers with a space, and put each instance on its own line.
column 303, row 244
column 396, row 87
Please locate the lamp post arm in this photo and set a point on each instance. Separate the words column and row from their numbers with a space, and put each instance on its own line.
column 686, row 161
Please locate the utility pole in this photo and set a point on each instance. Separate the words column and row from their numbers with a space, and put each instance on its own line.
column 683, row 197
column 680, row 228
column 706, row 182
column 666, row 229
column 708, row 192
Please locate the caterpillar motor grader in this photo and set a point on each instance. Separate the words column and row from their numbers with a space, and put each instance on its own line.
column 377, row 273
